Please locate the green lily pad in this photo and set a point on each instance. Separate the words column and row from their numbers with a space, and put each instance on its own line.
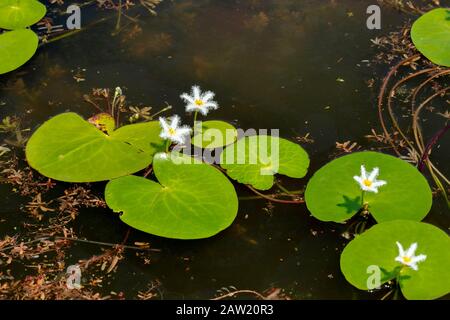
column 377, row 247
column 431, row 36
column 333, row 195
column 214, row 134
column 18, row 14
column 16, row 48
column 255, row 160
column 192, row 200
column 68, row 148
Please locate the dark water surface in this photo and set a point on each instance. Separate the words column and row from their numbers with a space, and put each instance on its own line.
column 272, row 64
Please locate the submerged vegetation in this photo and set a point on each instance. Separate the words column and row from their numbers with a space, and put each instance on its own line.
column 158, row 186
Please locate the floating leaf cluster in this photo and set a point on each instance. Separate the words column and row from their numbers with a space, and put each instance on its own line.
column 18, row 44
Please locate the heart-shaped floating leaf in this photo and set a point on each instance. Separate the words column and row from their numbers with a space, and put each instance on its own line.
column 214, row 134
column 16, row 48
column 255, row 160
column 377, row 247
column 18, row 14
column 68, row 148
column 192, row 200
column 431, row 36
column 332, row 194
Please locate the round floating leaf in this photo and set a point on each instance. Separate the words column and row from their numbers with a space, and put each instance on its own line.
column 377, row 247
column 333, row 195
column 16, row 48
column 214, row 134
column 192, row 200
column 68, row 148
column 17, row 14
column 255, row 160
column 431, row 36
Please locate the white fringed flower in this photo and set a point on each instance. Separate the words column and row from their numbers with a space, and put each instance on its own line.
column 369, row 182
column 173, row 131
column 408, row 258
column 198, row 101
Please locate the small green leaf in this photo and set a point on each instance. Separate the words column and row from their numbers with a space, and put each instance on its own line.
column 333, row 195
column 18, row 14
column 214, row 134
column 431, row 35
column 377, row 247
column 16, row 48
column 68, row 148
column 192, row 200
column 255, row 160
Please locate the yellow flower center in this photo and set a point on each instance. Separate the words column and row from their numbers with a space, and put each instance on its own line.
column 172, row 131
column 406, row 259
column 199, row 102
column 367, row 182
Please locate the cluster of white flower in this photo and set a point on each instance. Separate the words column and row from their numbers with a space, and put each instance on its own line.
column 195, row 102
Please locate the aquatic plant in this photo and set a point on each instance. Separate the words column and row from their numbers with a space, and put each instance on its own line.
column 333, row 195
column 69, row 148
column 431, row 35
column 255, row 160
column 378, row 253
column 20, row 44
column 191, row 199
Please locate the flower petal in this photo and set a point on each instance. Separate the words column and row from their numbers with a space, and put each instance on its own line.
column 208, row 95
column 187, row 98
column 378, row 183
column 373, row 174
column 419, row 258
column 196, row 92
column 411, row 250
column 363, row 172
column 401, row 252
column 175, row 122
column 358, row 179
column 413, row 266
column 192, row 107
column 164, row 124
column 211, row 105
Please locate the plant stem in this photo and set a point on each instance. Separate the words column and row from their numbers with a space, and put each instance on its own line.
column 168, row 145
column 195, row 118
column 282, row 188
column 274, row 199
column 119, row 16
column 161, row 111
column 362, row 198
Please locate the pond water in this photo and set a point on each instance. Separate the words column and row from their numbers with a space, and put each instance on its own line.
column 299, row 66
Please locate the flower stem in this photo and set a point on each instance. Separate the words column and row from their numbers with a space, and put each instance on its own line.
column 168, row 145
column 195, row 119
column 362, row 198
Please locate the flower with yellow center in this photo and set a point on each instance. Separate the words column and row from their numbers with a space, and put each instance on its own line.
column 369, row 182
column 198, row 101
column 407, row 258
column 173, row 131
